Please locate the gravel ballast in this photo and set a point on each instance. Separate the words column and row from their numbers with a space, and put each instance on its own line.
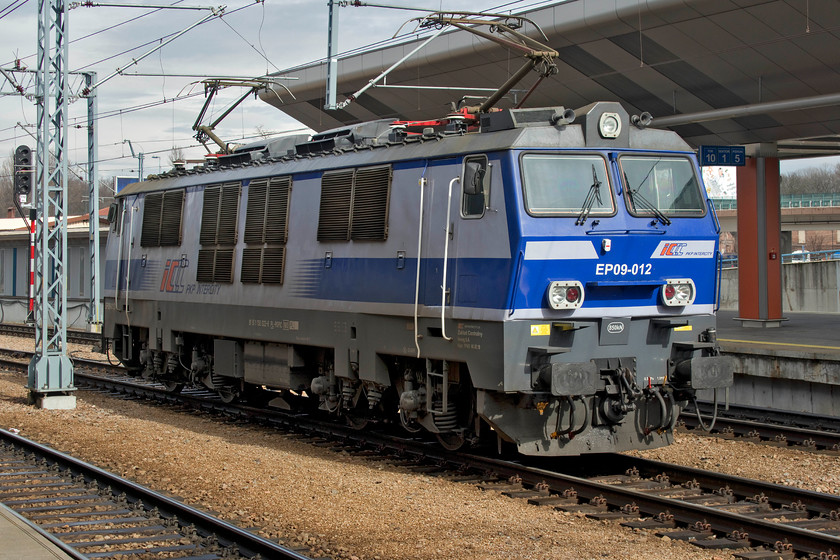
column 349, row 507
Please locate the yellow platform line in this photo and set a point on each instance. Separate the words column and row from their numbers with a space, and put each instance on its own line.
column 779, row 343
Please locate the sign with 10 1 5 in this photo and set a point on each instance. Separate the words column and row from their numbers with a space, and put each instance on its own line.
column 735, row 156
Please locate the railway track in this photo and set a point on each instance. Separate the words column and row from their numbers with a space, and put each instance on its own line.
column 96, row 514
column 712, row 510
column 807, row 431
column 28, row 331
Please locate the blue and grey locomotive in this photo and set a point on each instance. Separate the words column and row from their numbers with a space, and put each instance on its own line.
column 545, row 278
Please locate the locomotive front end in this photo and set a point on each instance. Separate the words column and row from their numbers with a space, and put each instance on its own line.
column 612, row 323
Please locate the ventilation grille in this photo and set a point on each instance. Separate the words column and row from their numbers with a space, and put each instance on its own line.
column 354, row 204
column 206, row 261
column 162, row 219
column 170, row 222
column 228, row 215
column 268, row 211
column 277, row 213
column 336, row 197
column 215, row 266
column 255, row 220
column 220, row 214
column 371, row 192
column 264, row 265
column 251, row 266
column 150, row 237
column 219, row 221
column 266, row 223
column 210, row 216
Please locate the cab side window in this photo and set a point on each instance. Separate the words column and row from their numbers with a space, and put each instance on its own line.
column 475, row 186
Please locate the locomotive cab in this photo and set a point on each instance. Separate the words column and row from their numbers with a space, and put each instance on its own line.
column 615, row 289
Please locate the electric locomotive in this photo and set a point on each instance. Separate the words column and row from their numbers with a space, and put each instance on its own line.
column 544, row 277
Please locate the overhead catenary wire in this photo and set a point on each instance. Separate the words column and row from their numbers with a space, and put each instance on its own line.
column 12, row 7
column 158, row 103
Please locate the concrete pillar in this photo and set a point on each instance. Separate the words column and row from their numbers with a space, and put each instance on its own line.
column 759, row 244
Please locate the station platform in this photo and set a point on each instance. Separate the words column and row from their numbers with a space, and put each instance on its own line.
column 806, row 334
column 793, row 367
column 22, row 541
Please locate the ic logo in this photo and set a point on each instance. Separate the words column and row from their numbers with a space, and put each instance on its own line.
column 173, row 275
column 616, row 327
column 672, row 249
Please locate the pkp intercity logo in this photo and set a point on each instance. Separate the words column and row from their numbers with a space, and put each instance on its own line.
column 684, row 250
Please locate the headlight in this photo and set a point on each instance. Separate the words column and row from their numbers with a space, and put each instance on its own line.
column 678, row 292
column 565, row 294
column 609, row 125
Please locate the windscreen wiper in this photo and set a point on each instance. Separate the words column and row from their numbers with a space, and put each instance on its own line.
column 593, row 194
column 637, row 198
column 634, row 195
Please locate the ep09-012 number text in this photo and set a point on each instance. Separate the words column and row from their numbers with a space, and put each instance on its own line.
column 623, row 269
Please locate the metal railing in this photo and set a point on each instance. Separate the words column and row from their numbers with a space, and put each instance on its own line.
column 795, row 257
column 815, row 200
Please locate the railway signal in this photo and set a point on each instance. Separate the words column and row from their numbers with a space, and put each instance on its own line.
column 23, row 170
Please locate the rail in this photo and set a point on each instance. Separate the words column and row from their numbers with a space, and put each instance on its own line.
column 40, row 482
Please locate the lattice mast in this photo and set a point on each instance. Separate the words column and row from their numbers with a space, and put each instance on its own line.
column 51, row 371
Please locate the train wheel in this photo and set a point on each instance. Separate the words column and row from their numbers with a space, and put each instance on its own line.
column 451, row 441
column 357, row 422
column 409, row 424
column 228, row 394
column 172, row 386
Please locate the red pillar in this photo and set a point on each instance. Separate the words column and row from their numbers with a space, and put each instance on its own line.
column 759, row 244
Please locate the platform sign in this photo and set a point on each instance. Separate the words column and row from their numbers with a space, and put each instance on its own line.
column 122, row 182
column 725, row 156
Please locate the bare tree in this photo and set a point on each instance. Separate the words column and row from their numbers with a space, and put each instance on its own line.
column 815, row 180
column 7, row 194
column 176, row 154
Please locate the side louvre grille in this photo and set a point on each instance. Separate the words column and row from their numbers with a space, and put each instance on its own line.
column 150, row 236
column 336, row 199
column 273, row 264
column 266, row 223
column 228, row 214
column 251, row 265
column 162, row 219
column 170, row 221
column 210, row 215
column 263, row 266
column 215, row 266
column 223, row 272
column 277, row 213
column 206, row 258
column 255, row 220
column 371, row 192
column 219, row 222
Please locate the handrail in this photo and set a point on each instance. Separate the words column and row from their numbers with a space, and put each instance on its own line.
column 119, row 258
column 128, row 263
column 711, row 206
column 445, row 261
column 422, row 183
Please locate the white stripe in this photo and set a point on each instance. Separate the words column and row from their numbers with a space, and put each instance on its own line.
column 598, row 312
column 559, row 250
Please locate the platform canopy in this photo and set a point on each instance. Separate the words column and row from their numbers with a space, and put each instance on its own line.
column 773, row 64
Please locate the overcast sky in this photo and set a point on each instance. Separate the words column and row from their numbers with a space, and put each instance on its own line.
column 252, row 39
